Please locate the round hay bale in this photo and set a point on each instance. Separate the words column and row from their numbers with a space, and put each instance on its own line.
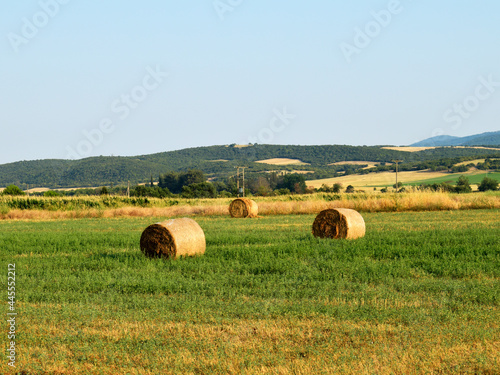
column 173, row 238
column 339, row 223
column 243, row 207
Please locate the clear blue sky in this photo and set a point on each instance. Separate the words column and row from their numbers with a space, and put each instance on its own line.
column 83, row 78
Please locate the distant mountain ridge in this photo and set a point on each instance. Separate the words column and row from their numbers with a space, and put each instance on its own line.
column 483, row 139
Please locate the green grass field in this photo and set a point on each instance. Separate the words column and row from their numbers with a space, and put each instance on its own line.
column 453, row 178
column 420, row 293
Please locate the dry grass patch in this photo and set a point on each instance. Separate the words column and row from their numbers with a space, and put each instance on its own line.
column 408, row 148
column 370, row 164
column 282, row 161
column 475, row 161
column 284, row 205
column 267, row 346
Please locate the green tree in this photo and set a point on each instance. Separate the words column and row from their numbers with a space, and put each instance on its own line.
column 171, row 182
column 199, row 190
column 192, row 176
column 488, row 184
column 148, row 191
column 273, row 180
column 463, row 185
column 174, row 182
column 13, row 190
column 294, row 182
column 459, row 168
column 260, row 186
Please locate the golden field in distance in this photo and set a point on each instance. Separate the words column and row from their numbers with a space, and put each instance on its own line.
column 282, row 161
column 381, row 179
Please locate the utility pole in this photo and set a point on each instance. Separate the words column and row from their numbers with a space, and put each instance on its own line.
column 238, row 181
column 397, row 161
column 128, row 189
column 243, row 181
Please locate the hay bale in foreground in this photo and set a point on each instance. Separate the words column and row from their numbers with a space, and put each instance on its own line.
column 243, row 207
column 339, row 223
column 173, row 238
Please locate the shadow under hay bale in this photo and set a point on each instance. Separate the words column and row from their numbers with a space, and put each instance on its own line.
column 338, row 223
column 173, row 238
column 243, row 207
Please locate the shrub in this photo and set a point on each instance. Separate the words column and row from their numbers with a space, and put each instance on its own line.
column 13, row 190
column 282, row 191
column 488, row 184
column 51, row 193
column 334, row 189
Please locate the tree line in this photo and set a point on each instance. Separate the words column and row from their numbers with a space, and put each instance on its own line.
column 193, row 184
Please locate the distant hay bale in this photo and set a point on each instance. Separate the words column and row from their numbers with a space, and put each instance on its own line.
column 173, row 238
column 243, row 207
column 339, row 223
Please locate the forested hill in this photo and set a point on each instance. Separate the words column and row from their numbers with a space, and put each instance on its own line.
column 215, row 161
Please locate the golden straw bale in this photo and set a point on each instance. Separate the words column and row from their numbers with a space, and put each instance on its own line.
column 339, row 223
column 243, row 207
column 173, row 238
